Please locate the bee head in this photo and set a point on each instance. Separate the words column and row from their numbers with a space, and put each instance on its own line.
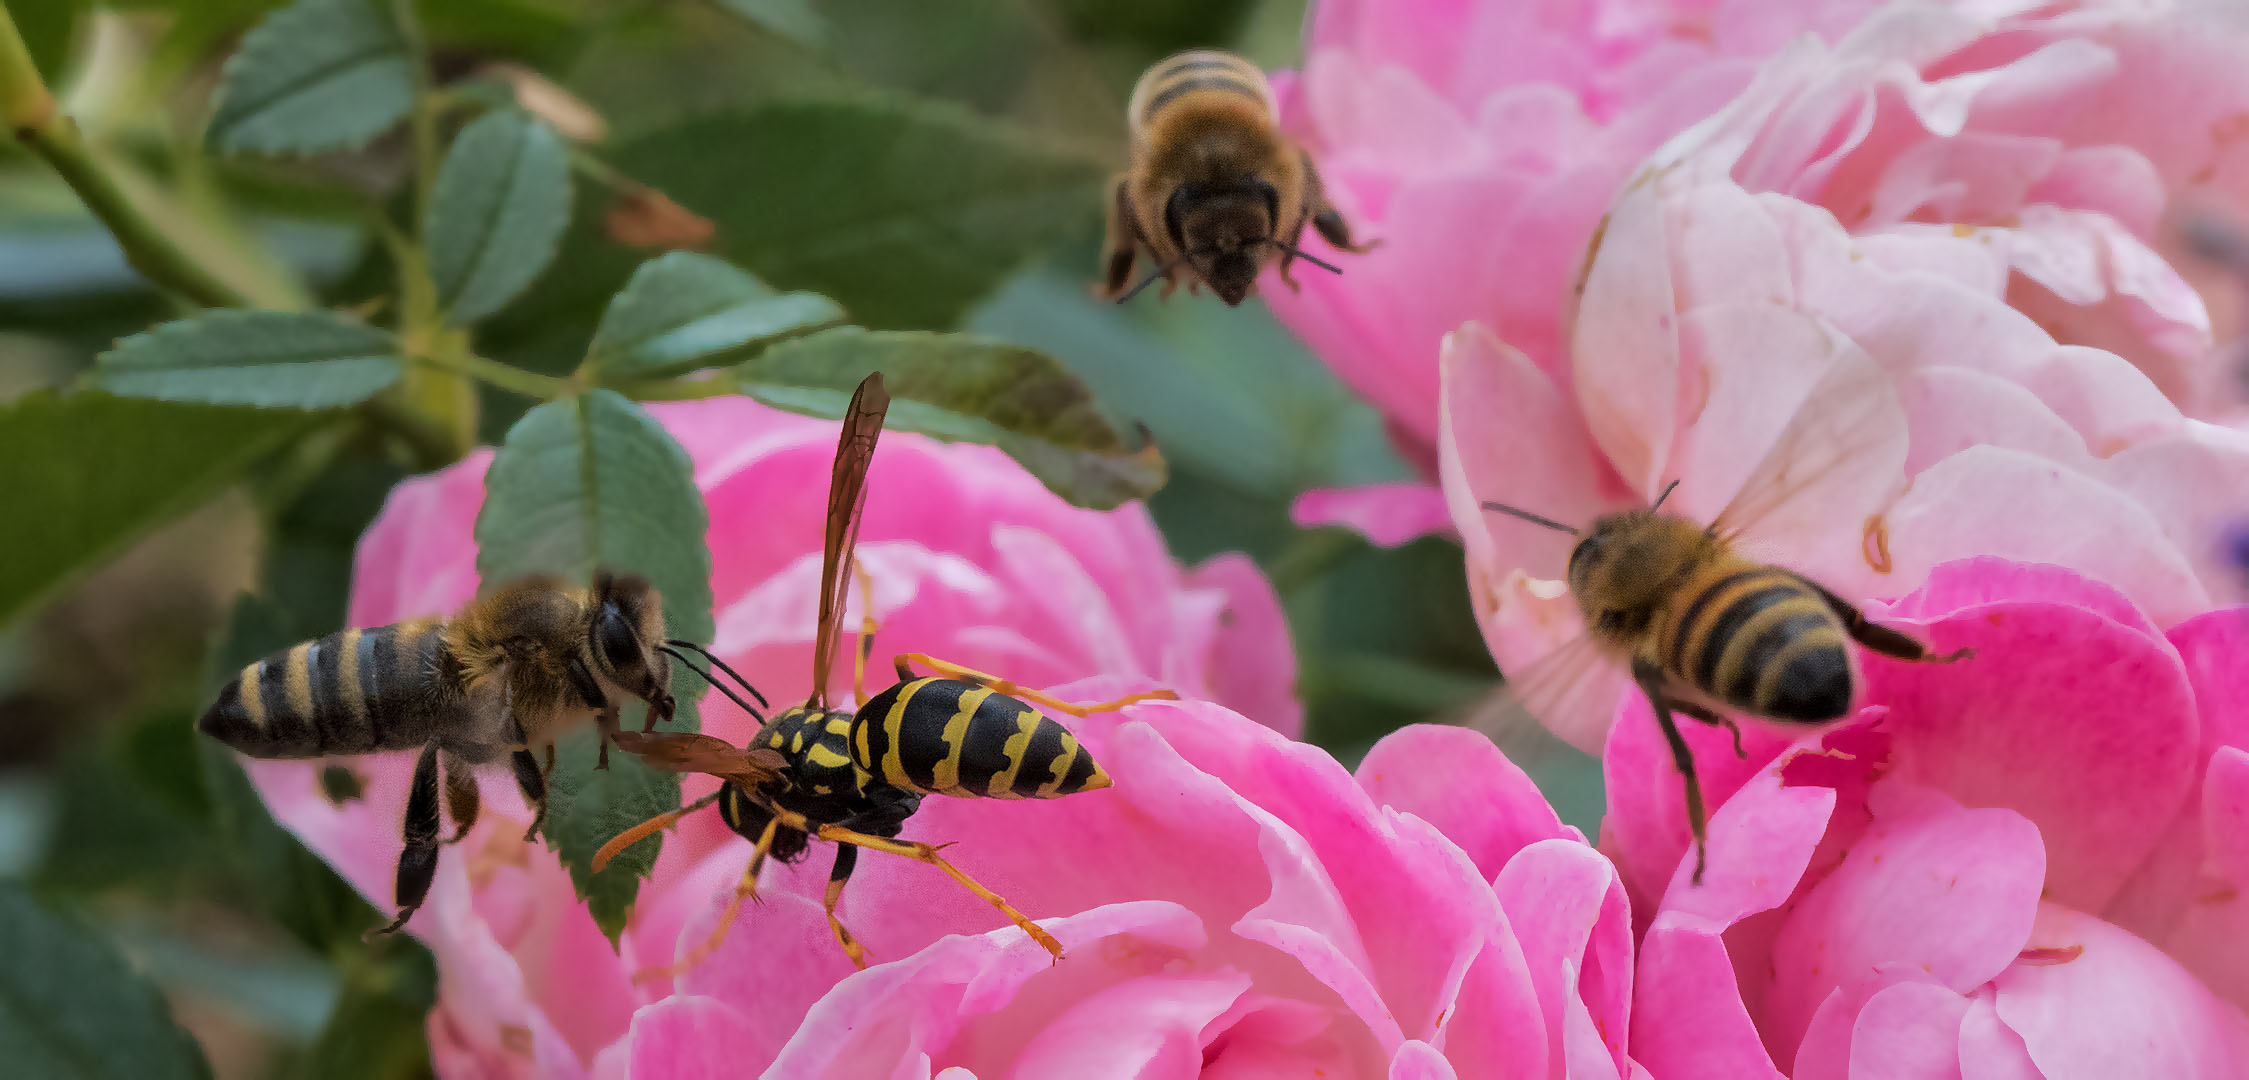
column 626, row 630
column 1225, row 231
column 1628, row 561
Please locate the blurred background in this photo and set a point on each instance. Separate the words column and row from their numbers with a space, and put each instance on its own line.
column 113, row 813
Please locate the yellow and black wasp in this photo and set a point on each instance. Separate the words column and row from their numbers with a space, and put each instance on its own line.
column 854, row 777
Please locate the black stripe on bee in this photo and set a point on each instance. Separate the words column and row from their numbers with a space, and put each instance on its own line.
column 1676, row 658
column 1777, row 631
column 1711, row 644
column 1192, row 83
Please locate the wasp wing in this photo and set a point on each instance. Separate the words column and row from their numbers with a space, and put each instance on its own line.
column 847, row 497
column 1836, row 459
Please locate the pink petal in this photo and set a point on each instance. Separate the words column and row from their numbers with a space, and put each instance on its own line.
column 685, row 1037
column 1251, row 667
column 1420, row 1061
column 1497, row 1028
column 1910, row 1031
column 1456, row 780
column 1388, row 515
column 1152, row 1026
column 1568, row 911
column 1989, row 1049
column 1626, row 348
column 2116, row 1008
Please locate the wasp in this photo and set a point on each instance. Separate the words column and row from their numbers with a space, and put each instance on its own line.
column 853, row 777
column 1214, row 184
column 1705, row 629
column 505, row 677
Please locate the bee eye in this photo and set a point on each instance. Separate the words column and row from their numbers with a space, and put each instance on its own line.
column 1587, row 552
column 614, row 636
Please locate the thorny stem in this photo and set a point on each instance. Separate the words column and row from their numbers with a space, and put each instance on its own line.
column 37, row 122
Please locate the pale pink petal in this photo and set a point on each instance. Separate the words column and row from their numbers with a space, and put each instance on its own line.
column 1989, row 1049
column 685, row 1037
column 1151, row 1026
column 1456, row 780
column 1910, row 1031
column 1568, row 910
column 2155, row 1019
column 1388, row 515
column 1251, row 667
column 1417, row 1060
column 1626, row 349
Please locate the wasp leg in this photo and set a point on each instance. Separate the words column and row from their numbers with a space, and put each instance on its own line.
column 1703, row 715
column 951, row 670
column 847, row 859
column 461, row 796
column 1122, row 244
column 1881, row 638
column 747, row 889
column 417, row 864
column 920, row 852
column 867, row 628
column 1650, row 679
column 637, row 833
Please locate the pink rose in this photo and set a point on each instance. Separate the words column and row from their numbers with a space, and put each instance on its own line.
column 2028, row 864
column 972, row 560
column 1481, row 143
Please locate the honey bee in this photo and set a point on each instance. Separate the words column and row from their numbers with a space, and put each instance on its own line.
column 853, row 777
column 512, row 672
column 1213, row 185
column 1701, row 627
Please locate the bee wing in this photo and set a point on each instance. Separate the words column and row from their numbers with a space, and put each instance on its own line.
column 686, row 752
column 847, row 498
column 1571, row 692
column 1836, row 458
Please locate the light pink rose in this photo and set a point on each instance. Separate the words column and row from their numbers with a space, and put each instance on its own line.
column 1480, row 143
column 972, row 559
column 1708, row 315
column 2026, row 864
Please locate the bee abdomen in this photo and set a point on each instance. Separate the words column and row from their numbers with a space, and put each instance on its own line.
column 351, row 692
column 949, row 737
column 1191, row 72
column 1762, row 640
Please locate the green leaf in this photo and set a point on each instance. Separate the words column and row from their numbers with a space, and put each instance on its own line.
column 89, row 473
column 501, row 205
column 317, row 75
column 683, row 311
column 70, row 1006
column 967, row 389
column 791, row 19
column 905, row 212
column 266, row 358
column 593, row 481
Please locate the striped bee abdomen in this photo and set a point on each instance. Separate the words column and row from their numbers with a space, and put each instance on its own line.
column 949, row 737
column 1196, row 72
column 1763, row 640
column 351, row 692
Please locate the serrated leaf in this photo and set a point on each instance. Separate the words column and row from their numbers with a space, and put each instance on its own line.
column 88, row 473
column 791, row 19
column 905, row 212
column 683, row 311
column 967, row 389
column 594, row 481
column 317, row 75
column 273, row 359
column 70, row 1006
column 501, row 205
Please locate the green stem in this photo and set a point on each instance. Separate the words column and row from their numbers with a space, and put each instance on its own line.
column 507, row 377
column 422, row 122
column 720, row 384
column 37, row 122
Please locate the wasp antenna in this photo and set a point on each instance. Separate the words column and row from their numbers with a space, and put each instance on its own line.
column 1535, row 519
column 1149, row 280
column 1665, row 495
column 719, row 686
column 722, row 666
column 1304, row 255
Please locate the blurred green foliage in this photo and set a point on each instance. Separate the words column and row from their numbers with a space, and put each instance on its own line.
column 927, row 167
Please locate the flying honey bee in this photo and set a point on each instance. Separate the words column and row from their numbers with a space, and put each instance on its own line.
column 1214, row 186
column 513, row 671
column 1703, row 628
column 853, row 777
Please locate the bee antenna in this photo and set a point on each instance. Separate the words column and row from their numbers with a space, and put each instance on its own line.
column 1304, row 255
column 719, row 686
column 1150, row 279
column 722, row 666
column 1534, row 519
column 1665, row 495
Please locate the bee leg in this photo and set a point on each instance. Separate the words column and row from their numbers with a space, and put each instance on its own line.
column 417, row 864
column 747, row 889
column 1122, row 245
column 1017, row 690
column 534, row 785
column 867, row 628
column 1650, row 679
column 1713, row 719
column 1325, row 217
column 461, row 797
column 1881, row 638
column 920, row 852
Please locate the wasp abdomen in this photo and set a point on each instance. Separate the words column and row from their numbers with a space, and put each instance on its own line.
column 1763, row 640
column 352, row 692
column 949, row 737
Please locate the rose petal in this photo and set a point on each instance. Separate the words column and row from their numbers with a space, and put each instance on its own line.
column 1388, row 515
